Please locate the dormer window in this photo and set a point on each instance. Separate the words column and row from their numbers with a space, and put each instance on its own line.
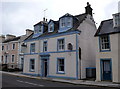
column 65, row 23
column 51, row 26
column 116, row 19
column 69, row 23
column 40, row 29
column 62, row 22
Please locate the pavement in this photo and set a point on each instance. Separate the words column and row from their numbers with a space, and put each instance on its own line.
column 82, row 82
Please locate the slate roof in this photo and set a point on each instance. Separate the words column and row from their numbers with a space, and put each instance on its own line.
column 12, row 39
column 77, row 20
column 106, row 27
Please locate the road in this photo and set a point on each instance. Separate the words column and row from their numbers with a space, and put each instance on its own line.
column 15, row 81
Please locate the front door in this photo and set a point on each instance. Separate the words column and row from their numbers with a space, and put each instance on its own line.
column 106, row 70
column 44, row 68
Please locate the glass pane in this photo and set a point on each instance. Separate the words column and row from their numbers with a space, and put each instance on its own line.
column 106, row 66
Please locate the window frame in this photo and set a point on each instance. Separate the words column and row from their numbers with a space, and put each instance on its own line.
column 69, row 20
column 7, row 47
column 45, row 46
column 59, row 65
column 61, row 47
column 104, row 46
column 13, row 46
column 31, row 48
column 12, row 58
column 3, row 47
column 30, row 68
column 62, row 22
column 2, row 59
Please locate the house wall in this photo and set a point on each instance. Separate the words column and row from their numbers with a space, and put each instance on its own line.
column 87, row 44
column 69, row 57
column 9, row 54
column 70, row 65
column 52, row 43
column 28, row 56
column 26, row 68
column 37, row 47
column 119, row 55
column 113, row 55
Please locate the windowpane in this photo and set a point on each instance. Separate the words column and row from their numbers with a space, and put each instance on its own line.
column 68, row 22
column 2, row 47
column 61, row 65
column 104, row 42
column 32, row 47
column 45, row 46
column 62, row 22
column 32, row 65
column 12, row 58
column 61, row 44
column 13, row 46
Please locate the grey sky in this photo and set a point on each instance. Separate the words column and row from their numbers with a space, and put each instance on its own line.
column 18, row 15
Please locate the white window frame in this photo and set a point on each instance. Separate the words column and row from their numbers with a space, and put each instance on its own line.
column 31, row 48
column 69, row 21
column 61, row 45
column 59, row 65
column 45, row 46
column 104, row 43
column 62, row 22
column 32, row 70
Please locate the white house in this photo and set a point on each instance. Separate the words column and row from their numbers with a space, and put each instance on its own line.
column 108, row 50
column 63, row 48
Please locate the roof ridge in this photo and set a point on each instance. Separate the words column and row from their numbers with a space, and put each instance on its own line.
column 107, row 20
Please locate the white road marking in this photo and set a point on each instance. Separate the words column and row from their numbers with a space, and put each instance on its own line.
column 30, row 83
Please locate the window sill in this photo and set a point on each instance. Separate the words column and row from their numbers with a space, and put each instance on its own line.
column 105, row 50
column 60, row 72
column 32, row 70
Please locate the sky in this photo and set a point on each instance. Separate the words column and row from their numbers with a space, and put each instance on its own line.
column 18, row 15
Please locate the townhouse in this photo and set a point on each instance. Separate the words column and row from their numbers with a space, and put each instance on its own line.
column 63, row 48
column 11, row 50
column 108, row 50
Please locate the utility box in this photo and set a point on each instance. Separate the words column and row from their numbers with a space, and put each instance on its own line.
column 90, row 72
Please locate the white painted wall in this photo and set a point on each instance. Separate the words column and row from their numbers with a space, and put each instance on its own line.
column 27, row 65
column 87, row 45
column 85, row 41
column 112, row 54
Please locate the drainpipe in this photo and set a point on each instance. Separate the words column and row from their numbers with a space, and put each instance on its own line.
column 78, row 60
column 76, row 56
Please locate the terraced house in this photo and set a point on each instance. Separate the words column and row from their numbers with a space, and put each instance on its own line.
column 11, row 50
column 108, row 50
column 63, row 48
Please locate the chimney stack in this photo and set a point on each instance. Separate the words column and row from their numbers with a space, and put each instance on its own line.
column 28, row 32
column 88, row 9
column 8, row 36
column 2, row 38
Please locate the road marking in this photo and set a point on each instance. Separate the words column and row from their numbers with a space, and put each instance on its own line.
column 30, row 83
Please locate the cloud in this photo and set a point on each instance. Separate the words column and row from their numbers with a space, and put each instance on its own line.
column 23, row 14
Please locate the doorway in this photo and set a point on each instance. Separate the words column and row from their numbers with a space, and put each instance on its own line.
column 106, row 70
column 44, row 67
